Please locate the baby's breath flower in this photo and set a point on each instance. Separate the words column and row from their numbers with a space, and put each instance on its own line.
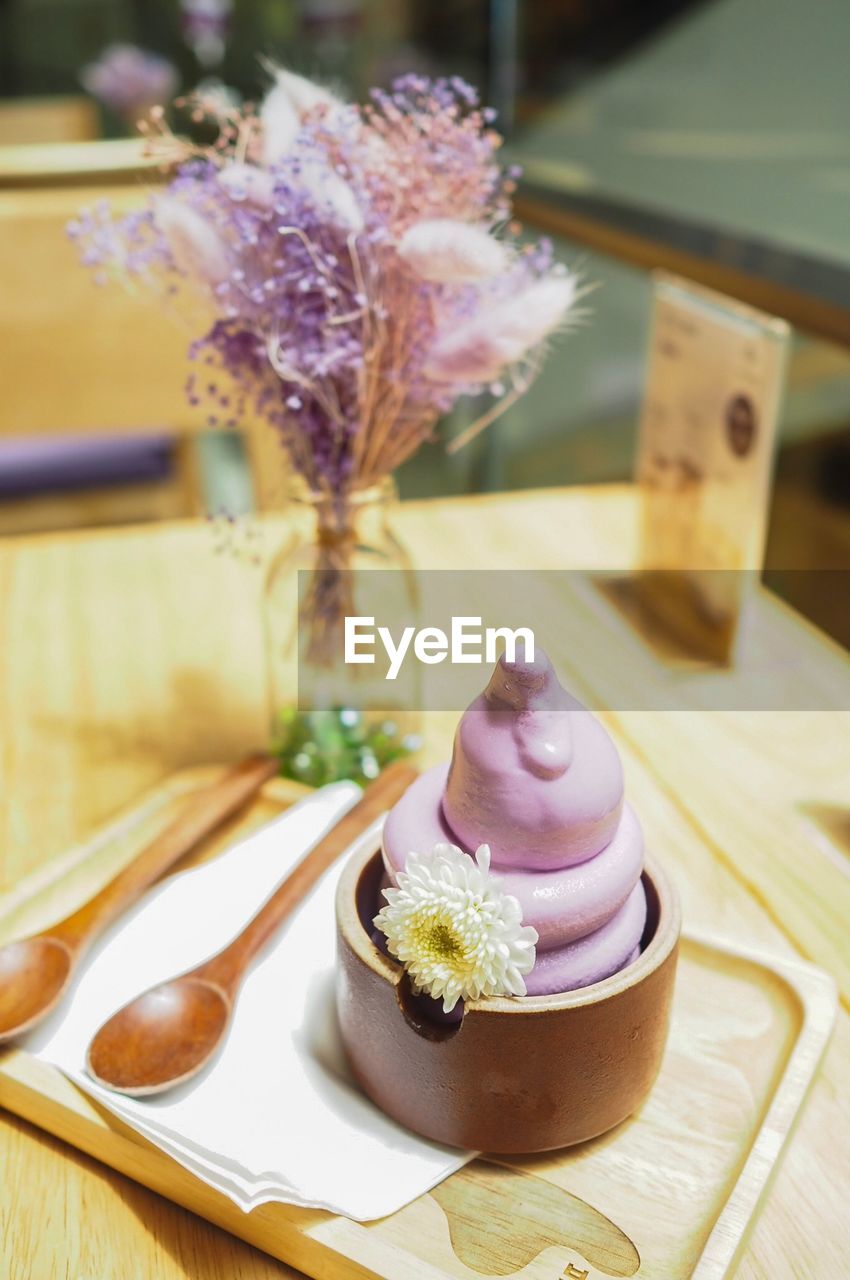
column 457, row 933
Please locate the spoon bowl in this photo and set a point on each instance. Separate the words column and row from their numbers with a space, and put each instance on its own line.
column 163, row 1036
column 33, row 975
column 36, row 971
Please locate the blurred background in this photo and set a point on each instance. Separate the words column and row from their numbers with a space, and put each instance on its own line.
column 706, row 137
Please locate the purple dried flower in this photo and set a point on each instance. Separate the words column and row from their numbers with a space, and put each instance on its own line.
column 129, row 81
column 356, row 282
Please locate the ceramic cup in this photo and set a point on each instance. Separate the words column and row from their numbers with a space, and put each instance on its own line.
column 511, row 1075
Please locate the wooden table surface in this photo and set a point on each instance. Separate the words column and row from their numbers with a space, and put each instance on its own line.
column 129, row 654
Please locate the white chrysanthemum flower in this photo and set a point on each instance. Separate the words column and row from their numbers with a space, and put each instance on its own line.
column 457, row 933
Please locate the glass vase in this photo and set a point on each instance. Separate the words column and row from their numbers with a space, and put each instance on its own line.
column 330, row 719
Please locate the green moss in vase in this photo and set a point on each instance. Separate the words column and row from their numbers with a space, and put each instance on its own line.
column 318, row 747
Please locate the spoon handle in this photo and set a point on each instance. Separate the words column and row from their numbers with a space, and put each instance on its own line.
column 205, row 811
column 228, row 966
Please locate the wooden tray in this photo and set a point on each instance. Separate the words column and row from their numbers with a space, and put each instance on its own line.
column 671, row 1193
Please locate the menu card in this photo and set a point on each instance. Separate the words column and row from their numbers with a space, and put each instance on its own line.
column 704, row 459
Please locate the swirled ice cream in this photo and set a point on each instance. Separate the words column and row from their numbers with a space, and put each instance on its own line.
column 536, row 777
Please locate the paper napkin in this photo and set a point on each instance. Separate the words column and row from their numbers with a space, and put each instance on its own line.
column 276, row 1116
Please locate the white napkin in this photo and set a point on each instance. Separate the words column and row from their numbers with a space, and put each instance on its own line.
column 276, row 1116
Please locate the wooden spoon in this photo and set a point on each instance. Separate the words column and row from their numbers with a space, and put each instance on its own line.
column 35, row 971
column 170, row 1032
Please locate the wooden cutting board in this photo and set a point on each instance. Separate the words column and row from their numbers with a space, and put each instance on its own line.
column 671, row 1193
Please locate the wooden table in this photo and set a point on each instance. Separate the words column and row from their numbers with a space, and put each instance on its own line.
column 127, row 655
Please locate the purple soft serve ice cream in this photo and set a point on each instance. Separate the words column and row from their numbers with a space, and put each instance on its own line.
column 536, row 777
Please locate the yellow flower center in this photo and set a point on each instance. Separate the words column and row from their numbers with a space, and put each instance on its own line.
column 436, row 939
column 440, row 942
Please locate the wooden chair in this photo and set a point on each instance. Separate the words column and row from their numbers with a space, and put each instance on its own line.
column 82, row 164
column 76, row 359
column 55, row 119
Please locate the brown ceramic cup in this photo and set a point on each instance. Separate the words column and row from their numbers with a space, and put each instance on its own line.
column 527, row 1074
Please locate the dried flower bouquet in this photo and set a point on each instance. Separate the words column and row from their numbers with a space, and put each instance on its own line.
column 362, row 272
